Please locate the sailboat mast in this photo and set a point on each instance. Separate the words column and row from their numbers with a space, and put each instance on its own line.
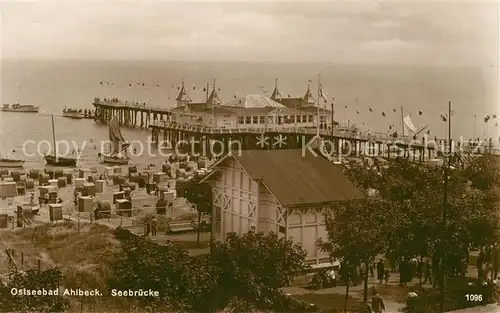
column 54, row 137
column 402, row 122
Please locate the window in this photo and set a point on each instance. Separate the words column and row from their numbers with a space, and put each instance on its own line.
column 309, row 118
column 241, row 120
column 270, row 119
column 322, row 119
column 282, row 229
column 262, row 119
column 255, row 120
column 304, row 118
column 248, row 120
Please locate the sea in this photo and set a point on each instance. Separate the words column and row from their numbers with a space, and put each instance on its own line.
column 423, row 92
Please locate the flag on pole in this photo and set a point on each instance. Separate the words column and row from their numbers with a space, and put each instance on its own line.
column 322, row 93
column 408, row 123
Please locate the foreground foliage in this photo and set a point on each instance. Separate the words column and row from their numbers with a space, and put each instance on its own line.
column 246, row 271
column 404, row 219
column 33, row 279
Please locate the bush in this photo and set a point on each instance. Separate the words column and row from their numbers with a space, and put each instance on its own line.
column 244, row 271
column 455, row 297
column 322, row 280
column 33, row 279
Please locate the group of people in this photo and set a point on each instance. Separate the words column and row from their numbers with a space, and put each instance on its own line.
column 150, row 226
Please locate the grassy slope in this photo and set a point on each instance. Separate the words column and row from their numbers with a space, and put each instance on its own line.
column 81, row 252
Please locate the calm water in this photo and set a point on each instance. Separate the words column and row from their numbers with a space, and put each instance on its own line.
column 54, row 85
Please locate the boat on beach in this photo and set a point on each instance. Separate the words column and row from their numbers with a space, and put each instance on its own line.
column 24, row 108
column 118, row 160
column 59, row 161
column 119, row 145
column 11, row 163
column 54, row 159
column 74, row 114
column 6, row 160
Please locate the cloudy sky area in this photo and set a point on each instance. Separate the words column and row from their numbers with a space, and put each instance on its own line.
column 465, row 33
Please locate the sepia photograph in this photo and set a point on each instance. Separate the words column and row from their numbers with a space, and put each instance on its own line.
column 261, row 156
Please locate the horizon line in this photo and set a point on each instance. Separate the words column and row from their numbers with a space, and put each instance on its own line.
column 32, row 59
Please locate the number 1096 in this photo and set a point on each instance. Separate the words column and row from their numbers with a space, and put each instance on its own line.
column 474, row 297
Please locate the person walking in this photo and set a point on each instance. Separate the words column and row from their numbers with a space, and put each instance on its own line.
column 387, row 275
column 154, row 226
column 427, row 271
column 377, row 302
column 146, row 227
column 380, row 270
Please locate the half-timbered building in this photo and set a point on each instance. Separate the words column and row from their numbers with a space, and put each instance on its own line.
column 284, row 191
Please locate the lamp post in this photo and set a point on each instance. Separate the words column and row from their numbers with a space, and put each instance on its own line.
column 447, row 160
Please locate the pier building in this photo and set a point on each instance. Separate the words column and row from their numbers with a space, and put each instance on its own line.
column 255, row 111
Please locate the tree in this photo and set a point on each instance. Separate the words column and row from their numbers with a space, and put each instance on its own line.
column 484, row 172
column 254, row 266
column 183, row 282
column 199, row 194
column 358, row 232
column 415, row 192
column 33, row 279
column 250, row 268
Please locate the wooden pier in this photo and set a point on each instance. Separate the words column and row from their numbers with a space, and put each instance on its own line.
column 131, row 114
column 207, row 141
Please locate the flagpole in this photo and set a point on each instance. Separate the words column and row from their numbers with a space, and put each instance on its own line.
column 213, row 109
column 333, row 113
column 475, row 116
column 317, row 103
column 447, row 161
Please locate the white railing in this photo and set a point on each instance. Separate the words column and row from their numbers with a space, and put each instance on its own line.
column 339, row 132
column 133, row 105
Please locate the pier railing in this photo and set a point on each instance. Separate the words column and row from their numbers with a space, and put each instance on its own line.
column 341, row 133
column 117, row 103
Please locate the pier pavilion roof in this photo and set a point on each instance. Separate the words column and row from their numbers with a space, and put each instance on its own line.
column 308, row 97
column 299, row 105
column 183, row 96
column 214, row 98
column 203, row 109
column 314, row 109
column 254, row 101
column 296, row 178
column 276, row 95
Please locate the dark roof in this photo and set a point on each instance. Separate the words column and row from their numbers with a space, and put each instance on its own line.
column 214, row 97
column 314, row 109
column 276, row 95
column 248, row 111
column 291, row 102
column 202, row 108
column 308, row 97
column 183, row 96
column 297, row 180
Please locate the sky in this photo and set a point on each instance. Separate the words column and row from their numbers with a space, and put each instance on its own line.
column 432, row 33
